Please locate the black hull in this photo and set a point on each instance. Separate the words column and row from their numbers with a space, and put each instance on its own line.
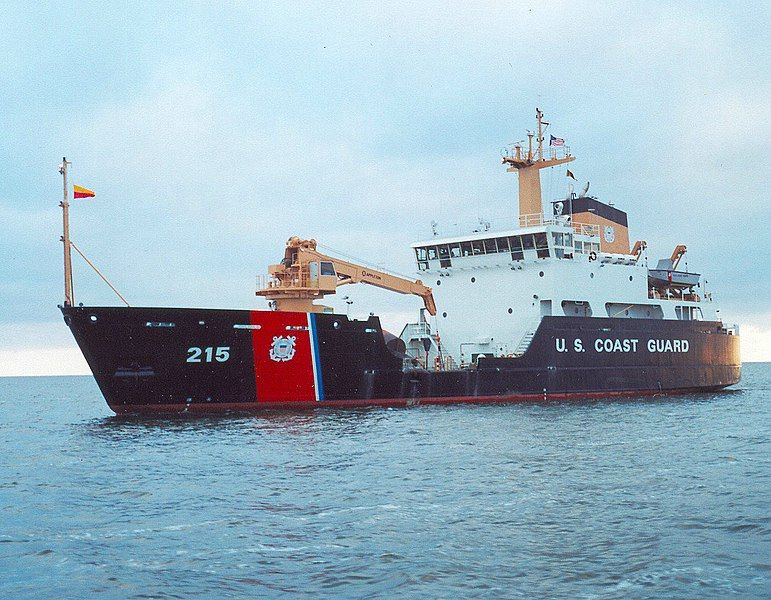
column 141, row 360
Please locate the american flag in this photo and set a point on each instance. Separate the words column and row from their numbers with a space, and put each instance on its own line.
column 555, row 141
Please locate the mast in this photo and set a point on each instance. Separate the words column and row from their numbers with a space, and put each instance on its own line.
column 68, row 294
column 529, row 166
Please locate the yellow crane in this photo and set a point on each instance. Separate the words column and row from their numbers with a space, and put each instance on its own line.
column 305, row 274
column 677, row 255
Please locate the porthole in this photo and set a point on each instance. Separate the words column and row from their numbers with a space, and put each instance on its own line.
column 631, row 278
column 92, row 317
column 510, row 311
column 591, row 275
column 336, row 325
column 438, row 282
column 540, row 274
column 626, row 312
column 444, row 314
column 473, row 280
column 649, row 313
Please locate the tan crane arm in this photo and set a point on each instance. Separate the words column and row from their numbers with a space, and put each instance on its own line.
column 677, row 255
column 639, row 247
column 306, row 274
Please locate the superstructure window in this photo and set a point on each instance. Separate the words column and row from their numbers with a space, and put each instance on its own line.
column 444, row 256
column 327, row 268
column 542, row 245
column 515, row 243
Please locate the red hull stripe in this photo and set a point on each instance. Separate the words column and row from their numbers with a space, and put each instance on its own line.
column 389, row 402
column 283, row 357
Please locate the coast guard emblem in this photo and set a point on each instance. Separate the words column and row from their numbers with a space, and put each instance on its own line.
column 282, row 349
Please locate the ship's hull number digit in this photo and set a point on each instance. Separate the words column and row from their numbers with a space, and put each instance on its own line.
column 208, row 354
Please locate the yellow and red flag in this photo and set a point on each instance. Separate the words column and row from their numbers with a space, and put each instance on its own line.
column 81, row 192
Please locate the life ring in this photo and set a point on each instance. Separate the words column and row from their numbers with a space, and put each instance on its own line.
column 592, row 255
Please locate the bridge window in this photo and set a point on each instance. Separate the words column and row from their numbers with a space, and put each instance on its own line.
column 490, row 247
column 465, row 249
column 422, row 255
column 455, row 250
column 542, row 245
column 528, row 243
column 503, row 244
column 515, row 243
column 478, row 247
column 444, row 256
column 431, row 252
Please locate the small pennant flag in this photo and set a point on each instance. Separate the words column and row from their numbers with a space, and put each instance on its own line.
column 81, row 192
column 555, row 141
column 570, row 174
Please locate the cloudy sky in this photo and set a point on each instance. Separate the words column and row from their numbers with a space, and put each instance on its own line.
column 212, row 133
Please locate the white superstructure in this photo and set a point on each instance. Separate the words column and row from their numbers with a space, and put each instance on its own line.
column 493, row 287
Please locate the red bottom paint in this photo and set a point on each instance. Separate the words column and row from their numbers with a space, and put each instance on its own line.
column 254, row 407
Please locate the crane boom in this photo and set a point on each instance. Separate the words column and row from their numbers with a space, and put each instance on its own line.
column 306, row 274
column 677, row 255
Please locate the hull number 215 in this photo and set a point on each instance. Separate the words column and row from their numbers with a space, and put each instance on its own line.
column 197, row 355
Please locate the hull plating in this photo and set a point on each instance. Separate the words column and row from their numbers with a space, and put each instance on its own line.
column 191, row 360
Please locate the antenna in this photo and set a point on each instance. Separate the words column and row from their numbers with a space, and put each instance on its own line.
column 528, row 168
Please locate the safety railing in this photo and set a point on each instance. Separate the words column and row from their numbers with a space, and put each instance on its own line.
column 302, row 280
column 521, row 153
column 507, row 223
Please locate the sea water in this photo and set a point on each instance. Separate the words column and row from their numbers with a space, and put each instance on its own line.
column 653, row 497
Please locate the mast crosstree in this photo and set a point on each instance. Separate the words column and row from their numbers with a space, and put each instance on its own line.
column 529, row 165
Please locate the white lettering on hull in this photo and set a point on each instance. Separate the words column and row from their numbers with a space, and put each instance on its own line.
column 662, row 346
column 615, row 345
column 623, row 345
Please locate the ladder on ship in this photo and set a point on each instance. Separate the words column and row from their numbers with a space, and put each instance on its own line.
column 524, row 343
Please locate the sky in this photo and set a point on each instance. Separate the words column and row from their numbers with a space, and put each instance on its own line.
column 212, row 132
